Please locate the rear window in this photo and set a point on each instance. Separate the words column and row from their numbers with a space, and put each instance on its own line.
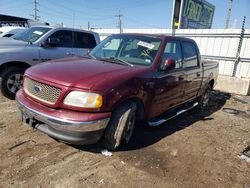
column 190, row 55
column 85, row 40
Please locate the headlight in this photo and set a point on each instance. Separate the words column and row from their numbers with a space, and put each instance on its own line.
column 83, row 99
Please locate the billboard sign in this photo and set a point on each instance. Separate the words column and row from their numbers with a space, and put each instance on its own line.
column 193, row 14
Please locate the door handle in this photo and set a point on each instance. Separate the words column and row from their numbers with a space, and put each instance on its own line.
column 150, row 85
column 180, row 78
column 70, row 53
column 198, row 74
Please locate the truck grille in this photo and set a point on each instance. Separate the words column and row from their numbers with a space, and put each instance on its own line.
column 43, row 92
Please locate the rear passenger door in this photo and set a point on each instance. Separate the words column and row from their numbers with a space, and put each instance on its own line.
column 83, row 43
column 64, row 49
column 192, row 70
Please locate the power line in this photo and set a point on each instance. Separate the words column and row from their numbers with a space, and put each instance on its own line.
column 57, row 15
column 14, row 6
column 74, row 10
column 134, row 5
column 140, row 22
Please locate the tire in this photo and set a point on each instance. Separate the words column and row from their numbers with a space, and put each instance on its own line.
column 205, row 98
column 121, row 126
column 11, row 81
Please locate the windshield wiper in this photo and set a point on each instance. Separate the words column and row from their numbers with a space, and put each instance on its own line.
column 117, row 60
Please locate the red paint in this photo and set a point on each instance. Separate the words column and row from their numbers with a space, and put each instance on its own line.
column 157, row 91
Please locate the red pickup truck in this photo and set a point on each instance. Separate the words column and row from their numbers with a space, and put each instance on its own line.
column 125, row 79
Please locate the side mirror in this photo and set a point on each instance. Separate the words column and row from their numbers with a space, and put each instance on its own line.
column 168, row 64
column 51, row 42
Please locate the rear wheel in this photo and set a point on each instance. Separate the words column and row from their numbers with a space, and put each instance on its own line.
column 121, row 126
column 204, row 101
column 11, row 81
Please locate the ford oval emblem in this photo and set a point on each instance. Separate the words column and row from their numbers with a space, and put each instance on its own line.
column 37, row 89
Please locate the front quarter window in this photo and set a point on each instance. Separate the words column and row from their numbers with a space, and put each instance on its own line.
column 108, row 49
column 134, row 49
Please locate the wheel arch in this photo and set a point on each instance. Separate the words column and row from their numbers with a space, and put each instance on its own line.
column 140, row 108
column 14, row 64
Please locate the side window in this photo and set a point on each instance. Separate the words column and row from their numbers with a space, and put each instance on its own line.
column 190, row 55
column 85, row 40
column 173, row 50
column 8, row 35
column 65, row 37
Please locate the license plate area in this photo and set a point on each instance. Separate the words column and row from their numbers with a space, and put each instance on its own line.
column 29, row 120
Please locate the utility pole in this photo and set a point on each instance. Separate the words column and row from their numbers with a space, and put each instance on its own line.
column 119, row 21
column 235, row 23
column 229, row 13
column 35, row 9
column 88, row 25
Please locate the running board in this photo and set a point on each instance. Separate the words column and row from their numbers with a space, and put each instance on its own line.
column 157, row 122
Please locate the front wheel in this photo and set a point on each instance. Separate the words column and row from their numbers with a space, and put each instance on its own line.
column 121, row 126
column 11, row 81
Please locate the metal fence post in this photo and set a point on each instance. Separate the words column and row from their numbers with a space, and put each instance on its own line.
column 239, row 47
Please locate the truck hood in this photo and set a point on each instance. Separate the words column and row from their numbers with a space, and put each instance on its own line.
column 83, row 73
column 9, row 42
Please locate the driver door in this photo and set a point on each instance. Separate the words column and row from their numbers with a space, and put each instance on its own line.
column 169, row 84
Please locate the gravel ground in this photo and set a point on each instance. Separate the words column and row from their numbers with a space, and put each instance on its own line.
column 193, row 150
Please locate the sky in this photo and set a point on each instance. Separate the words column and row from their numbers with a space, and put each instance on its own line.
column 135, row 13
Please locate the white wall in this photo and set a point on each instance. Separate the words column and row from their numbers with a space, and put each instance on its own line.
column 217, row 44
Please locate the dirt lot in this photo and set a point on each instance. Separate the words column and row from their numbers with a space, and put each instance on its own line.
column 193, row 150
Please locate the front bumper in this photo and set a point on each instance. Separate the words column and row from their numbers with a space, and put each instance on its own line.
column 67, row 126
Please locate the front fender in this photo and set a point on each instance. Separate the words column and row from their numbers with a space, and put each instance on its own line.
column 128, row 90
column 25, row 54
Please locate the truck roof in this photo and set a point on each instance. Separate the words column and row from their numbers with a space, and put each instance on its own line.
column 162, row 36
column 65, row 28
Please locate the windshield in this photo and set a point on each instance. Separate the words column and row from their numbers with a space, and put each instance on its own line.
column 32, row 34
column 136, row 50
column 18, row 34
